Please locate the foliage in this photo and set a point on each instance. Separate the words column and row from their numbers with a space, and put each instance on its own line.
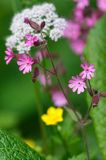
column 12, row 148
column 96, row 53
column 79, row 157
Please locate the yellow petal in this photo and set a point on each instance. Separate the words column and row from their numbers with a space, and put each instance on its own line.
column 51, row 110
column 53, row 116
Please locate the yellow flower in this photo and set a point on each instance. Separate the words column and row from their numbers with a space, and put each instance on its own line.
column 30, row 143
column 53, row 116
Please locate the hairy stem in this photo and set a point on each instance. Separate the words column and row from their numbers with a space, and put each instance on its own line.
column 52, row 73
column 60, row 85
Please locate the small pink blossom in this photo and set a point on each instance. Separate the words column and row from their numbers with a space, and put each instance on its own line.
column 101, row 5
column 77, row 84
column 88, row 71
column 58, row 98
column 90, row 21
column 82, row 3
column 72, row 30
column 25, row 63
column 44, row 80
column 79, row 15
column 78, row 46
column 9, row 55
column 40, row 56
column 31, row 40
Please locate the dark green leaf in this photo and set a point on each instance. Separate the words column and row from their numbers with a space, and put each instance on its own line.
column 96, row 54
column 13, row 149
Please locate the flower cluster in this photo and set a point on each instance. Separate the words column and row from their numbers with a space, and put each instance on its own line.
column 84, row 18
column 78, row 83
column 45, row 16
column 53, row 116
column 24, row 61
column 82, row 3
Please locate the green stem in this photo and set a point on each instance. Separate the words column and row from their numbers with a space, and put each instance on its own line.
column 90, row 87
column 39, row 110
column 63, row 142
column 60, row 85
column 46, row 69
column 85, row 142
column 88, row 112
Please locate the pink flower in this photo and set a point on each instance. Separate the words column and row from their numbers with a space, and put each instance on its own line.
column 88, row 71
column 101, row 5
column 25, row 63
column 72, row 30
column 40, row 56
column 82, row 3
column 44, row 80
column 79, row 15
column 58, row 98
column 90, row 21
column 31, row 40
column 77, row 84
column 9, row 55
column 78, row 46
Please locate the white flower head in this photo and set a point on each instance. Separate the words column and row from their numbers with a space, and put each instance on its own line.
column 54, row 26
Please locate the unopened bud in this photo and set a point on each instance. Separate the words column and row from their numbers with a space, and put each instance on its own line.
column 95, row 100
column 26, row 20
column 35, row 74
column 42, row 25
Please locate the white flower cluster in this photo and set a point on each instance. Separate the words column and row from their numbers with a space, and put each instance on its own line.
column 54, row 26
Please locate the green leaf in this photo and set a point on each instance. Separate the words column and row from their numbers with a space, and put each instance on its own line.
column 96, row 54
column 12, row 148
column 79, row 157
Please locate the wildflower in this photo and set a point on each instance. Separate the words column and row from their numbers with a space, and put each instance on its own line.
column 53, row 116
column 55, row 34
column 31, row 40
column 72, row 30
column 92, row 19
column 77, row 84
column 88, row 71
column 25, row 63
column 82, row 3
column 44, row 80
column 78, row 46
column 44, row 16
column 101, row 5
column 58, row 98
column 35, row 74
column 77, row 29
column 30, row 143
column 9, row 55
column 40, row 55
column 78, row 15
